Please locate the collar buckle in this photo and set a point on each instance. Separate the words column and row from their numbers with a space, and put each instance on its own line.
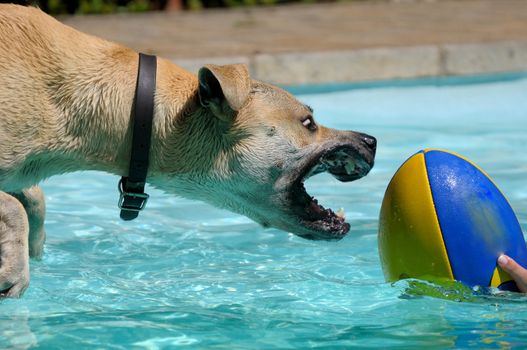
column 131, row 201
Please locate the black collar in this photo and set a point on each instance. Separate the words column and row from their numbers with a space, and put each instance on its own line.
column 133, row 198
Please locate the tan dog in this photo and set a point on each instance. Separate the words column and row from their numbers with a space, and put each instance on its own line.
column 65, row 105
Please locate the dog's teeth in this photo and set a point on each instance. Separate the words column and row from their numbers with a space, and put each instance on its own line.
column 350, row 167
column 340, row 213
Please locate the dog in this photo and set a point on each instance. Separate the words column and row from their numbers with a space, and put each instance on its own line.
column 66, row 101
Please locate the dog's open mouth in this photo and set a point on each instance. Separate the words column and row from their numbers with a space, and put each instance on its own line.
column 345, row 164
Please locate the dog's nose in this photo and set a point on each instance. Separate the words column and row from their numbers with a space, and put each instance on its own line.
column 369, row 141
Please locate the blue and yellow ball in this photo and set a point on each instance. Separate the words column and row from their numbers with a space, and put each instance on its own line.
column 443, row 217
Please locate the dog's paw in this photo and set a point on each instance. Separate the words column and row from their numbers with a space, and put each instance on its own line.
column 13, row 283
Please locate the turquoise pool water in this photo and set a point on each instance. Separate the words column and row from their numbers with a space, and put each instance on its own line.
column 188, row 275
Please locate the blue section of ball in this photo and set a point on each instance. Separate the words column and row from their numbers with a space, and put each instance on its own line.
column 477, row 222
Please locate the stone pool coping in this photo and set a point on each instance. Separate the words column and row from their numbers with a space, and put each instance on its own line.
column 378, row 63
column 339, row 42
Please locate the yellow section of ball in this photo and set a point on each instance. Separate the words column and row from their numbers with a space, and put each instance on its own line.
column 410, row 240
column 499, row 277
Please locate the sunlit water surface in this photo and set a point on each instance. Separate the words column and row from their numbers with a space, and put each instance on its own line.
column 188, row 275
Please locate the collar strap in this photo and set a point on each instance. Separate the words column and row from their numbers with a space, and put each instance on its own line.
column 133, row 198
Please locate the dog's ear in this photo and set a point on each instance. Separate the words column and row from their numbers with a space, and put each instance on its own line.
column 224, row 86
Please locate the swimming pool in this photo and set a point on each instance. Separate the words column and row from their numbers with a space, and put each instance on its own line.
column 188, row 275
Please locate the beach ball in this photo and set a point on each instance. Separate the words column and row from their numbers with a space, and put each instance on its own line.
column 444, row 217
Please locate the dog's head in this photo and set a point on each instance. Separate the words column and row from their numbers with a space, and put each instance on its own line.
column 250, row 147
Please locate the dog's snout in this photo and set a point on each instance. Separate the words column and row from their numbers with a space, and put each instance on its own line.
column 369, row 141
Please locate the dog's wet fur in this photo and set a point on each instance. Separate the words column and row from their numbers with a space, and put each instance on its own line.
column 220, row 137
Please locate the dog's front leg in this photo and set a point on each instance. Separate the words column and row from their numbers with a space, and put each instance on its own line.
column 14, row 254
column 33, row 201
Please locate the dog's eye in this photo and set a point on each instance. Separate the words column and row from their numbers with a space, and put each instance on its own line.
column 309, row 123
